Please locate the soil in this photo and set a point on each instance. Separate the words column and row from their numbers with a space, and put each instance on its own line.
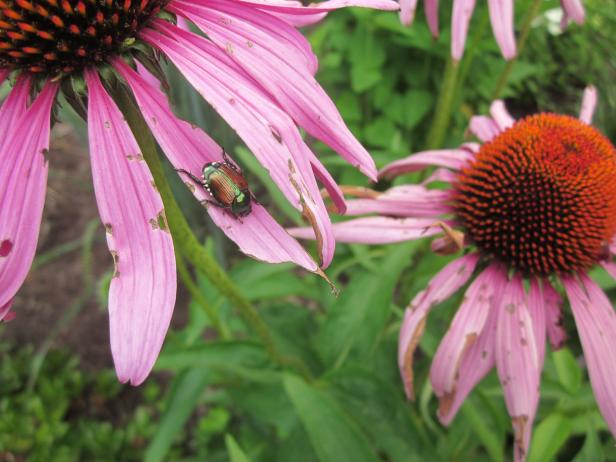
column 51, row 289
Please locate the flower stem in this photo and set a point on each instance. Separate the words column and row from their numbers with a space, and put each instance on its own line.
column 442, row 115
column 186, row 242
column 196, row 294
column 523, row 37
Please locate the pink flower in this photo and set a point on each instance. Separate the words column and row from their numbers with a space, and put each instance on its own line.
column 501, row 17
column 533, row 206
column 254, row 68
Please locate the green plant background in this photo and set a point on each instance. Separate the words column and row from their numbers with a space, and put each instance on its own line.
column 219, row 397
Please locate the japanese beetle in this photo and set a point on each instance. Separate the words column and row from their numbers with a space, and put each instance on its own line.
column 226, row 184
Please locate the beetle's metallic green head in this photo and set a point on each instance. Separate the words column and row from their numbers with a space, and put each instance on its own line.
column 241, row 205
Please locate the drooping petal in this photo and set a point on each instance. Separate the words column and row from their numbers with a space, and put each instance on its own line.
column 441, row 287
column 483, row 128
column 596, row 324
column 143, row 288
column 320, row 7
column 501, row 17
column 431, row 7
column 501, row 115
column 14, row 106
column 460, row 19
column 23, row 176
column 476, row 362
column 376, row 230
column 573, row 9
column 247, row 36
column 589, row 103
column 330, row 185
column 465, row 329
column 268, row 132
column 538, row 308
column 517, row 363
column 553, row 316
column 404, row 201
column 6, row 314
column 407, row 11
column 188, row 147
column 449, row 158
column 261, row 30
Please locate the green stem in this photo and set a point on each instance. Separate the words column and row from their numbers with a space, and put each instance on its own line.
column 186, row 242
column 444, row 105
column 196, row 294
column 523, row 37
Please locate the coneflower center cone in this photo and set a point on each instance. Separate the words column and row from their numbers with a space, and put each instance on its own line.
column 541, row 196
column 54, row 37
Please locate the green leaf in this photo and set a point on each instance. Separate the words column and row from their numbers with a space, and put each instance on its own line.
column 486, row 433
column 549, row 436
column 568, row 371
column 380, row 133
column 592, row 450
column 212, row 355
column 360, row 314
column 183, row 397
column 236, row 454
column 334, row 436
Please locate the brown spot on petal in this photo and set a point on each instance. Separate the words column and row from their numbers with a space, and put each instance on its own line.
column 446, row 400
column 250, row 44
column 335, row 290
column 275, row 134
column 116, row 261
column 45, row 153
column 160, row 221
column 510, row 308
column 190, row 186
column 519, row 425
column 109, row 229
column 5, row 247
column 359, row 191
column 407, row 368
column 137, row 156
column 107, row 124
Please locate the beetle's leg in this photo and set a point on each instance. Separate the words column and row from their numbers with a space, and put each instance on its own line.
column 192, row 177
column 230, row 161
column 254, row 198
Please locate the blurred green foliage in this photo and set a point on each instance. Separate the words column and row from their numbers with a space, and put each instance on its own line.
column 221, row 400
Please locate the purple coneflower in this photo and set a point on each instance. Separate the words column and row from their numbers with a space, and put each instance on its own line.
column 253, row 67
column 501, row 17
column 534, row 208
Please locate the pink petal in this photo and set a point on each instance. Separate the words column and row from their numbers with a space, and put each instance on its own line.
column 484, row 128
column 330, row 185
column 441, row 287
column 407, row 11
column 610, row 267
column 376, row 230
column 146, row 75
column 573, row 9
column 431, row 7
column 263, row 33
column 14, row 105
column 518, row 363
column 596, row 325
column 6, row 314
column 188, row 147
column 463, row 332
column 501, row 115
column 23, row 176
column 450, row 158
column 538, row 308
column 461, row 17
column 268, row 132
column 589, row 103
column 321, row 7
column 553, row 314
column 246, row 35
column 143, row 288
column 404, row 201
column 440, row 174
column 501, row 17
